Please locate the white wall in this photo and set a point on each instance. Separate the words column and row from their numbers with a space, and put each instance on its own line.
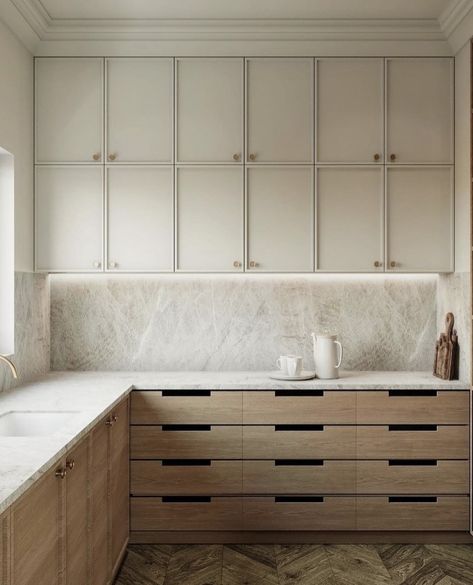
column 16, row 136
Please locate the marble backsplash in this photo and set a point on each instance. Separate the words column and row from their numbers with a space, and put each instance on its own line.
column 31, row 329
column 239, row 322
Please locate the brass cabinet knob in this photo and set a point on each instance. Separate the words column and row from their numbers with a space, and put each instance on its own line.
column 376, row 156
column 96, row 156
column 97, row 264
column 112, row 264
column 60, row 473
column 70, row 463
column 253, row 264
column 378, row 264
column 237, row 264
column 252, row 156
column 112, row 156
column 236, row 157
column 111, row 420
column 393, row 157
column 393, row 264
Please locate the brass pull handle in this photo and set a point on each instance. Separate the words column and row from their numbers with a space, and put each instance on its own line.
column 236, row 157
column 376, row 156
column 378, row 264
column 97, row 264
column 393, row 264
column 237, row 264
column 112, row 264
column 114, row 418
column 253, row 264
column 70, row 464
column 61, row 473
column 96, row 156
column 252, row 156
column 111, row 420
column 393, row 157
column 112, row 156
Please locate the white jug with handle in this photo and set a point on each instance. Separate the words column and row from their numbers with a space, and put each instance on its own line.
column 328, row 355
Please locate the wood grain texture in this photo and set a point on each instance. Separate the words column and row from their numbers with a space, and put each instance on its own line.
column 150, row 407
column 5, row 548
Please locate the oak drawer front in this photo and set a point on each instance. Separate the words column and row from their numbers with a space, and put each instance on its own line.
column 299, row 407
column 185, row 441
column 191, row 407
column 412, row 406
column 302, row 513
column 403, row 441
column 412, row 477
column 292, row 477
column 299, row 441
column 398, row 513
column 186, row 514
column 188, row 477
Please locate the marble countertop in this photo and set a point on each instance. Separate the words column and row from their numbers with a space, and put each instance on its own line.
column 92, row 394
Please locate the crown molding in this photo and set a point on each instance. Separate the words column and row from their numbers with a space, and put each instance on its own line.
column 453, row 15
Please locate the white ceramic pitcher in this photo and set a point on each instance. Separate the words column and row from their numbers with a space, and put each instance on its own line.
column 328, row 355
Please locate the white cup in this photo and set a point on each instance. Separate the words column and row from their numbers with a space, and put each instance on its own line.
column 281, row 362
column 294, row 365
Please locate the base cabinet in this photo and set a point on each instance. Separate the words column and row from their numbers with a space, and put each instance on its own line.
column 5, row 548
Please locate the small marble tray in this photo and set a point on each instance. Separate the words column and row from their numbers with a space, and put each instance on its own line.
column 304, row 375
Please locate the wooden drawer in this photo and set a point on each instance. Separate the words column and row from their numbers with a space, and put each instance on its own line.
column 192, row 477
column 302, row 513
column 189, row 513
column 299, row 441
column 290, row 477
column 398, row 513
column 412, row 407
column 186, row 442
column 402, row 441
column 412, row 477
column 187, row 407
column 299, row 407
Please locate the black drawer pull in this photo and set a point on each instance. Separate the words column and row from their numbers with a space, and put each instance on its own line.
column 412, row 499
column 172, row 428
column 298, row 393
column 412, row 462
column 412, row 427
column 281, row 462
column 185, row 462
column 186, row 499
column 412, row 392
column 298, row 499
column 299, row 427
column 186, row 393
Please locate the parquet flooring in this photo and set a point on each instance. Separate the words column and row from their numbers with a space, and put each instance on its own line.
column 304, row 564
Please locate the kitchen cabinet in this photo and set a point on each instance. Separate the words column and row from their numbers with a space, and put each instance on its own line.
column 69, row 218
column 69, row 110
column 209, row 110
column 350, row 110
column 280, row 220
column 280, row 110
column 350, row 219
column 140, row 210
column 5, row 548
column 419, row 219
column 139, row 110
column 210, row 219
column 419, row 110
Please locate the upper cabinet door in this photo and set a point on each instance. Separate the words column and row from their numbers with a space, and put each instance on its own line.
column 350, row 219
column 419, row 110
column 69, row 107
column 139, row 110
column 350, row 110
column 419, row 214
column 280, row 110
column 280, row 219
column 209, row 116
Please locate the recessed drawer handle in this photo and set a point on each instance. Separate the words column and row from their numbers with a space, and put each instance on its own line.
column 186, row 499
column 185, row 462
column 298, row 427
column 298, row 393
column 281, row 462
column 298, row 499
column 409, row 428
column 412, row 499
column 394, row 393
column 175, row 428
column 186, row 393
column 412, row 462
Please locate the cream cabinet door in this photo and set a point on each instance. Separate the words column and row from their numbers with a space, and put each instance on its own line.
column 209, row 110
column 69, row 218
column 280, row 110
column 210, row 220
column 69, row 109
column 350, row 110
column 419, row 110
column 140, row 218
column 139, row 110
column 350, row 219
column 419, row 212
column 280, row 219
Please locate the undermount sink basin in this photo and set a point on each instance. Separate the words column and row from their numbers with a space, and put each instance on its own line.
column 22, row 423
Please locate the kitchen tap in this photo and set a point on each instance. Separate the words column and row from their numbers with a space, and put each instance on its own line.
column 10, row 364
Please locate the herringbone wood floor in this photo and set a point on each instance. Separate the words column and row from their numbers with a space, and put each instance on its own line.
column 298, row 565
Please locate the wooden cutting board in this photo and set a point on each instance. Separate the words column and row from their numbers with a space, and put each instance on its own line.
column 446, row 352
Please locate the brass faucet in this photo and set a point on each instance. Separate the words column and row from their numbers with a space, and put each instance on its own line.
column 11, row 365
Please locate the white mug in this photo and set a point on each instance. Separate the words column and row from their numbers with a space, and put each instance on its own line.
column 281, row 362
column 294, row 365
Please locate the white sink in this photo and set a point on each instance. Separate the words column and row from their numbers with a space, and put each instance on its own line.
column 22, row 423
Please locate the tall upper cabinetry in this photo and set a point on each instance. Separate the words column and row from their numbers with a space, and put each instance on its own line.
column 285, row 164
